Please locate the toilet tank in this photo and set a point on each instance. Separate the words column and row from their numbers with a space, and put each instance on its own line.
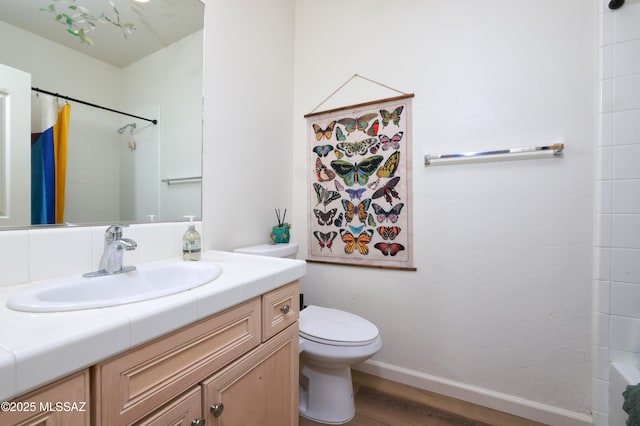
column 620, row 376
column 288, row 250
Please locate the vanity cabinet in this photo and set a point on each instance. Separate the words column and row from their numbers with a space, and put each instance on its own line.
column 237, row 367
column 185, row 410
column 259, row 389
column 65, row 402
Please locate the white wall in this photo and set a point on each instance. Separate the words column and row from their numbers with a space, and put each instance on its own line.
column 617, row 279
column 248, row 120
column 499, row 311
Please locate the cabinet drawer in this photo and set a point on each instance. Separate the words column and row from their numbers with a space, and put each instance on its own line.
column 280, row 309
column 41, row 406
column 132, row 385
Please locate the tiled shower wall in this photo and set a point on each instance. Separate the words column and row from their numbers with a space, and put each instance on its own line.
column 617, row 272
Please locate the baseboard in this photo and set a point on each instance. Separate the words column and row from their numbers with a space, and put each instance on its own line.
column 498, row 401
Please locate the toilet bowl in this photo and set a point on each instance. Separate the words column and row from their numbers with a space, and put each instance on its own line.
column 331, row 342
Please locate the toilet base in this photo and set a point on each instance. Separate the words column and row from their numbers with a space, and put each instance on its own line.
column 326, row 394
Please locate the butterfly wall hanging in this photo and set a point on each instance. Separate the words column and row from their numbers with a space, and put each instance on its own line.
column 323, row 133
column 360, row 201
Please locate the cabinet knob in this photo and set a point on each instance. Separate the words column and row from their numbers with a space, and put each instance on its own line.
column 197, row 422
column 217, row 409
column 285, row 309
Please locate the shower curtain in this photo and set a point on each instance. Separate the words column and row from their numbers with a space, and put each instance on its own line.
column 49, row 146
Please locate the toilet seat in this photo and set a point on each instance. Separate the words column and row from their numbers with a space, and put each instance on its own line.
column 335, row 327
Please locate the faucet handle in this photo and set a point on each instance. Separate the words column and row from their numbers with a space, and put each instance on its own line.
column 114, row 232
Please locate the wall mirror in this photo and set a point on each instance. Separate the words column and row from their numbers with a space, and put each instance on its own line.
column 120, row 168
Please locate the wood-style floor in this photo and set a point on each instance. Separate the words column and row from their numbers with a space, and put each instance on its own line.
column 380, row 402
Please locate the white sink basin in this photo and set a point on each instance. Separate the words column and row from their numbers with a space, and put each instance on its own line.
column 146, row 282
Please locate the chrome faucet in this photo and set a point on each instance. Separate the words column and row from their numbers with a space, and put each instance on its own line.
column 114, row 248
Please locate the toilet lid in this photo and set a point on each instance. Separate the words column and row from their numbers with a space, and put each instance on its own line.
column 336, row 327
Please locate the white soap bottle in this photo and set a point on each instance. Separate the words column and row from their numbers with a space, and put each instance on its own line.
column 191, row 249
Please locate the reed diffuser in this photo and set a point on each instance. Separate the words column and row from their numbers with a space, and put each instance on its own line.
column 281, row 232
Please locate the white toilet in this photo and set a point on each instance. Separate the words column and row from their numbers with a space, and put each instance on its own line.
column 288, row 250
column 331, row 341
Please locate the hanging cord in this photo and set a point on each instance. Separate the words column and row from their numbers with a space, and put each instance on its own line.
column 347, row 82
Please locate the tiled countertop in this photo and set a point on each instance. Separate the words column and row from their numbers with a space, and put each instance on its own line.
column 37, row 348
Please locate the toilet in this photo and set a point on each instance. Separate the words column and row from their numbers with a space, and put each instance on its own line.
column 286, row 250
column 331, row 341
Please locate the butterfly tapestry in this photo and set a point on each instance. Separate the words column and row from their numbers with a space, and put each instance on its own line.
column 390, row 166
column 357, row 173
column 324, row 133
column 325, row 218
column 373, row 130
column 322, row 150
column 393, row 116
column 387, row 142
column 325, row 239
column 322, row 172
column 324, row 195
column 355, row 193
column 351, row 210
column 359, row 183
column 351, row 242
column 391, row 215
column 389, row 249
column 358, row 123
column 388, row 190
column 353, row 148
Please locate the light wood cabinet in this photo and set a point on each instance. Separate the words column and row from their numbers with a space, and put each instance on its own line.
column 280, row 309
column 245, row 359
column 131, row 385
column 259, row 389
column 183, row 411
column 65, row 402
column 242, row 361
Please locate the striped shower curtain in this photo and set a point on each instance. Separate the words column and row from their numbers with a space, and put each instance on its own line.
column 49, row 146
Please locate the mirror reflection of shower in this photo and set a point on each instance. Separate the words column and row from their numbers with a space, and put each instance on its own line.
column 131, row 142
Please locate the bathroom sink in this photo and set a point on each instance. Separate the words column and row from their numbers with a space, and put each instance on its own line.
column 146, row 282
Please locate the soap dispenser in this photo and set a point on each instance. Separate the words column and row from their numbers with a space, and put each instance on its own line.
column 191, row 242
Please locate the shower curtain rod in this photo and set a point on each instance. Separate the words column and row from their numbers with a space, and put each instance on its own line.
column 68, row 98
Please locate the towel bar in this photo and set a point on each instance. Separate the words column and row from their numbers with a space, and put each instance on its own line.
column 556, row 149
column 182, row 180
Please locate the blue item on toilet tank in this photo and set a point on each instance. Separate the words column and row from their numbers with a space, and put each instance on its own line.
column 631, row 404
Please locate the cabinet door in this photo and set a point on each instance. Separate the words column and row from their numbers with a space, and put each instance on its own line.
column 184, row 411
column 65, row 402
column 259, row 389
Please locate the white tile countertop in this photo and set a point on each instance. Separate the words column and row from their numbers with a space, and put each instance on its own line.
column 38, row 348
